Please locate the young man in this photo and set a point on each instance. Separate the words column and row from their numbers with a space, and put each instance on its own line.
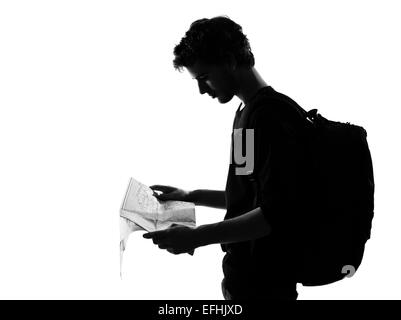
column 259, row 230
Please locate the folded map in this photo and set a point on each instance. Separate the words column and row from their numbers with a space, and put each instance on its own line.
column 141, row 210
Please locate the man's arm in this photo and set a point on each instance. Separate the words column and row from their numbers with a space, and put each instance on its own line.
column 208, row 198
column 249, row 226
column 180, row 239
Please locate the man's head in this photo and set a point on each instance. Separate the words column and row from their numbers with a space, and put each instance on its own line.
column 212, row 50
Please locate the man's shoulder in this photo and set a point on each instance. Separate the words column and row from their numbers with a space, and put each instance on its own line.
column 266, row 112
column 270, row 100
column 273, row 106
column 277, row 115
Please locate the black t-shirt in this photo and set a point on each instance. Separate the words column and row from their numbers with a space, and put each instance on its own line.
column 273, row 185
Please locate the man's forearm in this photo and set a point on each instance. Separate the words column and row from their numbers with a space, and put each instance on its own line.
column 249, row 226
column 208, row 198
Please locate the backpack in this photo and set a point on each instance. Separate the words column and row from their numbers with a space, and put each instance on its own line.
column 338, row 196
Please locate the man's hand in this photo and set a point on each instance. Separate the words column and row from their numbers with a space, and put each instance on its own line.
column 201, row 197
column 176, row 239
column 169, row 193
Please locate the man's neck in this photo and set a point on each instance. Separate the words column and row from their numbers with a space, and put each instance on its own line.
column 249, row 83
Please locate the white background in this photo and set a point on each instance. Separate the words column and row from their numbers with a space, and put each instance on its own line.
column 89, row 98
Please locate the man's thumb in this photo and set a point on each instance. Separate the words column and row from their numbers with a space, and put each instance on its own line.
column 147, row 235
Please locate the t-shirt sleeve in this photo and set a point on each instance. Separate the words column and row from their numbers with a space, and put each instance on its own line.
column 274, row 163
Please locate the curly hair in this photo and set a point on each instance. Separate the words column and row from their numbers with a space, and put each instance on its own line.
column 212, row 40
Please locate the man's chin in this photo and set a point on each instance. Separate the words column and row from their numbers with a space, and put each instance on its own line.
column 224, row 99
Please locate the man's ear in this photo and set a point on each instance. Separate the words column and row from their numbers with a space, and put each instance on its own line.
column 230, row 62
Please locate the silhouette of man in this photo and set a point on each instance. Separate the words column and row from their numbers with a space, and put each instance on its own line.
column 256, row 233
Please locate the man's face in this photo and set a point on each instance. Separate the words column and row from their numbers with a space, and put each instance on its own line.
column 216, row 80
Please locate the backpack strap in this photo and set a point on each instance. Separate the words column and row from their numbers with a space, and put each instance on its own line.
column 307, row 120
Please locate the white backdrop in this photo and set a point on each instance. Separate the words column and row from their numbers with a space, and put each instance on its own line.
column 89, row 98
